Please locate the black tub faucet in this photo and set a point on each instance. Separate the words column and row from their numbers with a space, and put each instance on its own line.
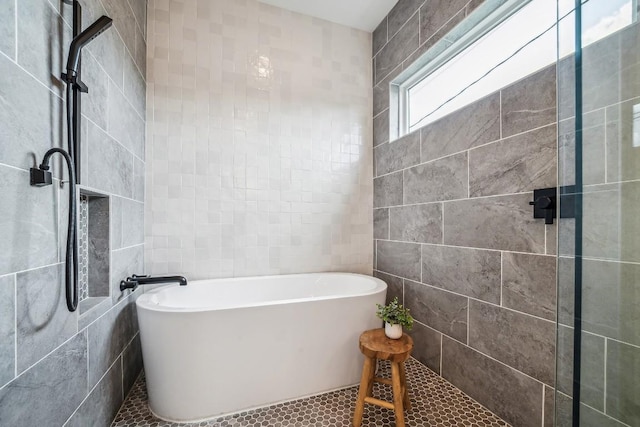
column 134, row 281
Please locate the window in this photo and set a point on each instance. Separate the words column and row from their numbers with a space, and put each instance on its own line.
column 506, row 42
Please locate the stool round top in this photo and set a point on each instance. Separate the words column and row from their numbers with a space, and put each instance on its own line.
column 374, row 343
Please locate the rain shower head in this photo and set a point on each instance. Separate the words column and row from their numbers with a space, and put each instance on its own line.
column 81, row 40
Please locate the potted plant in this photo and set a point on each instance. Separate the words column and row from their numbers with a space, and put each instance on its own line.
column 395, row 316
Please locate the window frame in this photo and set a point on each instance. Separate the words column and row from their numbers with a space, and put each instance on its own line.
column 485, row 18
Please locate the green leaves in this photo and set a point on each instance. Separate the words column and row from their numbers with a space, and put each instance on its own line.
column 395, row 314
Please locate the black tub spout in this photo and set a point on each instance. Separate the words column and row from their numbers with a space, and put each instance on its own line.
column 134, row 281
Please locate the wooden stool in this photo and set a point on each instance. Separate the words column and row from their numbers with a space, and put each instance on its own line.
column 375, row 346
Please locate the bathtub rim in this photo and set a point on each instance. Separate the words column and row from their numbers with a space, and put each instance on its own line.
column 143, row 301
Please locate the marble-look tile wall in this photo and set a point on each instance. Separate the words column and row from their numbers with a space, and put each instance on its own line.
column 58, row 367
column 610, row 272
column 260, row 158
column 454, row 233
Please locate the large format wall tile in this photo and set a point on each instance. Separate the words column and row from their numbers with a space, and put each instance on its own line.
column 399, row 47
column 125, row 124
column 622, row 140
column 109, row 336
column 400, row 14
column 524, row 342
column 435, row 13
column 529, row 284
column 427, row 344
column 30, row 117
column 387, row 190
column 133, row 227
column 43, row 319
column 52, row 389
column 381, row 128
column 98, row 81
column 28, row 224
column 593, row 149
column 381, row 223
column 416, row 223
column 471, row 272
column 610, row 225
column 623, row 387
column 529, row 103
column 513, row 396
column 110, row 163
column 444, row 179
column 503, row 223
column 440, row 310
column 8, row 29
column 379, row 38
column 399, row 259
column 514, row 165
column 43, row 40
column 396, row 155
column 102, row 404
column 473, row 125
column 394, row 286
column 592, row 366
column 7, row 329
column 131, row 362
column 611, row 306
column 124, row 263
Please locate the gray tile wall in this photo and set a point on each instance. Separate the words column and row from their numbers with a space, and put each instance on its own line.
column 610, row 274
column 492, row 252
column 58, row 367
column 454, row 233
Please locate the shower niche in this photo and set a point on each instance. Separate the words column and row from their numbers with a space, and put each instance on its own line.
column 93, row 249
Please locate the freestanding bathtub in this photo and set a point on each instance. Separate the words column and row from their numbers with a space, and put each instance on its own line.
column 216, row 347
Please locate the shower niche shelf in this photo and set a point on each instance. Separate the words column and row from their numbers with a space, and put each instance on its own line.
column 93, row 249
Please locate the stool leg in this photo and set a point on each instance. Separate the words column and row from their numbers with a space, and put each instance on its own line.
column 367, row 375
column 403, row 380
column 397, row 394
column 373, row 374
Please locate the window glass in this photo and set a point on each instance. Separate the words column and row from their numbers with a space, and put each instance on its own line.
column 519, row 45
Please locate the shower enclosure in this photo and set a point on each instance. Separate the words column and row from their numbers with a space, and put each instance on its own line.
column 598, row 323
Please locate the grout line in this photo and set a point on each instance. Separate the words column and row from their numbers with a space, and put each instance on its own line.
column 500, row 118
column 453, row 200
column 543, row 398
column 468, row 174
column 468, row 318
column 442, row 224
column 604, row 394
column 606, row 178
column 15, row 326
column 501, row 277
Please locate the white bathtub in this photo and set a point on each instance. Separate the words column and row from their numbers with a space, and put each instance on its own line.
column 216, row 347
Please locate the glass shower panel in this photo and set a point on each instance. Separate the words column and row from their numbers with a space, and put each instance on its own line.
column 598, row 349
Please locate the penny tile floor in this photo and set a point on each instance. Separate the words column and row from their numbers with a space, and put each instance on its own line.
column 435, row 402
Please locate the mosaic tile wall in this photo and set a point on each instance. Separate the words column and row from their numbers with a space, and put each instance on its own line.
column 259, row 144
column 57, row 366
column 83, row 248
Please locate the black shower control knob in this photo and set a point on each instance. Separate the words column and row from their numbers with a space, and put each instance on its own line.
column 544, row 203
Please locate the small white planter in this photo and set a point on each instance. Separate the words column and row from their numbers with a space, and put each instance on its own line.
column 392, row 331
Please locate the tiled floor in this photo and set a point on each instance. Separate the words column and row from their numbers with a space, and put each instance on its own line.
column 435, row 402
